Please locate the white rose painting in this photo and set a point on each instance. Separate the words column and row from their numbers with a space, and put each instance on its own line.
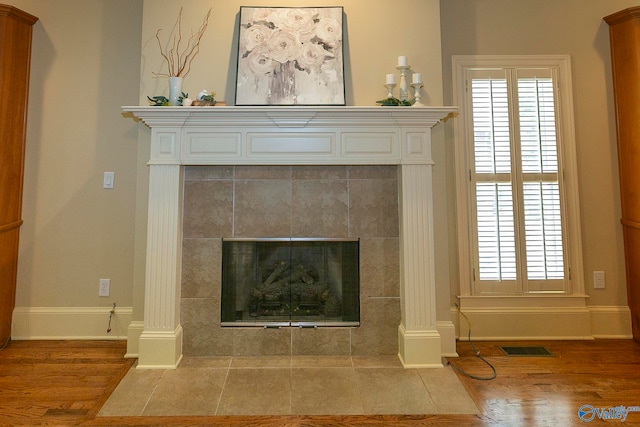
column 290, row 56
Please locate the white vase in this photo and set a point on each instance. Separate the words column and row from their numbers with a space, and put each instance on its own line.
column 175, row 90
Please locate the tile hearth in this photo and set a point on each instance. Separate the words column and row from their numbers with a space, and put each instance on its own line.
column 282, row 385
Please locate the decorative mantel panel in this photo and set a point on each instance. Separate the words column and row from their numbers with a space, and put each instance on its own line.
column 290, row 136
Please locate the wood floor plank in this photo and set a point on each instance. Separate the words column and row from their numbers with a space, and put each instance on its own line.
column 58, row 382
column 601, row 373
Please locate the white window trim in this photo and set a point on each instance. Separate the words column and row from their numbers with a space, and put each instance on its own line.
column 574, row 258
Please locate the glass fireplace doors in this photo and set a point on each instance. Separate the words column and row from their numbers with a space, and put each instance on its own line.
column 290, row 282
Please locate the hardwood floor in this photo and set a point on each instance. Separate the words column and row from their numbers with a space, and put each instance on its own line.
column 548, row 391
column 67, row 382
column 58, row 382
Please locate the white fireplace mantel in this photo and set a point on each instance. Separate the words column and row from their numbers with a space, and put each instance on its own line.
column 290, row 136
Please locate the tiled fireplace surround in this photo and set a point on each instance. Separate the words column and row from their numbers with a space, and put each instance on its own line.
column 360, row 172
column 290, row 201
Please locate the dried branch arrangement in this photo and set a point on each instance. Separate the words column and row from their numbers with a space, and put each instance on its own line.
column 180, row 54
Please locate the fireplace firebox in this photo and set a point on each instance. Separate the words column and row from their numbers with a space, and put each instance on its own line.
column 290, row 282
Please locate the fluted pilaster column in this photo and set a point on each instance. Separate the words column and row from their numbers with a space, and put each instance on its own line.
column 418, row 338
column 161, row 340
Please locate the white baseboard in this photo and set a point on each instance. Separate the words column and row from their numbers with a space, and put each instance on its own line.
column 570, row 323
column 447, row 331
column 610, row 321
column 70, row 323
column 136, row 327
column 90, row 323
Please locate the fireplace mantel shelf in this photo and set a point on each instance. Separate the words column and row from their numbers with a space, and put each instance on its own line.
column 290, row 135
column 277, row 135
column 289, row 116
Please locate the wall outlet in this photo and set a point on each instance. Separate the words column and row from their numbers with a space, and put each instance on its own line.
column 104, row 288
column 598, row 279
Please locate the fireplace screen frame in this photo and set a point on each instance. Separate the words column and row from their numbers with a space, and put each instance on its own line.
column 348, row 297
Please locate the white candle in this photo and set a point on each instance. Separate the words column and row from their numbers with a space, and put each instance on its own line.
column 416, row 78
column 402, row 61
column 391, row 79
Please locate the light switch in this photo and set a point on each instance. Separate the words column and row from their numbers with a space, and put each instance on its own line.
column 108, row 179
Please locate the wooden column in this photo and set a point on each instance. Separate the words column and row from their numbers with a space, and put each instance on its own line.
column 15, row 59
column 624, row 31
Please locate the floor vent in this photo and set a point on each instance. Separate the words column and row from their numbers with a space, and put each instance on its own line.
column 527, row 351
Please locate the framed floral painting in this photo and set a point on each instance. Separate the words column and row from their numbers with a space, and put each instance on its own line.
column 290, row 56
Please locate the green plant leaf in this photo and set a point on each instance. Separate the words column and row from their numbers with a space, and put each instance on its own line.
column 158, row 101
column 395, row 102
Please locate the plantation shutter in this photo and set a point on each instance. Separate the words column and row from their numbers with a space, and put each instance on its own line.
column 515, row 177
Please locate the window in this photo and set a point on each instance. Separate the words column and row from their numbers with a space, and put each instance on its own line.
column 515, row 165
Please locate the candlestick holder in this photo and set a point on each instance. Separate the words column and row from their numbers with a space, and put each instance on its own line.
column 390, row 87
column 416, row 94
column 403, row 81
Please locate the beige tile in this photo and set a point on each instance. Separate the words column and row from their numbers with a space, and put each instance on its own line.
column 321, row 362
column 268, row 193
column 263, row 172
column 320, row 341
column 256, row 392
column 132, row 394
column 378, row 331
column 393, row 391
column 319, row 172
column 187, row 392
column 376, row 362
column 315, row 385
column 373, row 172
column 201, row 268
column 205, row 362
column 261, row 362
column 207, row 208
column 325, row 391
column 262, row 208
column 319, row 208
column 261, row 342
column 208, row 172
column 447, row 392
column 202, row 334
column 380, row 267
column 373, row 208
